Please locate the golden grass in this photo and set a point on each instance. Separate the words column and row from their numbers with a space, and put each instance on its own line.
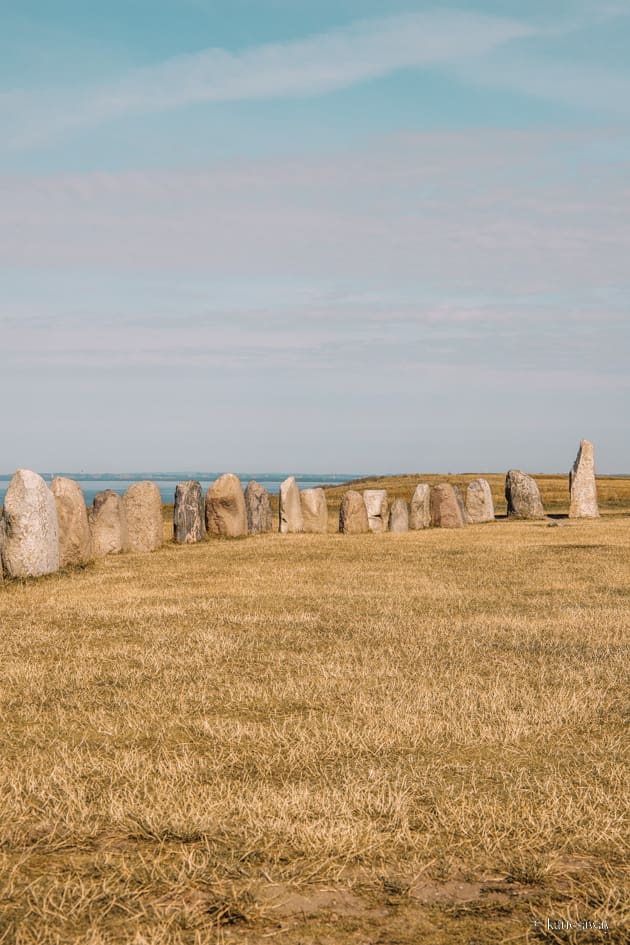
column 321, row 739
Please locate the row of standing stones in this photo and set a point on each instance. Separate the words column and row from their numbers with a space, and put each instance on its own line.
column 44, row 529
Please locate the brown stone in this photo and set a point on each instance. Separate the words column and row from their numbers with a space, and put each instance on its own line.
column 226, row 514
column 108, row 524
column 258, row 506
column 143, row 508
column 188, row 513
column 75, row 541
column 31, row 544
column 522, row 495
column 399, row 516
column 314, row 510
column 479, row 504
column 446, row 511
column 420, row 512
column 376, row 505
column 353, row 517
column 582, row 484
column 290, row 507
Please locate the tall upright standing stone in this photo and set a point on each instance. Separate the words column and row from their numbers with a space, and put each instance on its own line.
column 226, row 514
column 31, row 542
column 314, row 510
column 258, row 507
column 582, row 485
column 353, row 517
column 446, row 511
column 75, row 541
column 108, row 524
column 420, row 512
column 188, row 513
column 143, row 508
column 522, row 495
column 290, row 507
column 399, row 516
column 376, row 505
column 479, row 504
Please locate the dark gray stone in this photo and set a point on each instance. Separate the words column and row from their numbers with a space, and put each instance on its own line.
column 258, row 505
column 188, row 513
column 523, row 497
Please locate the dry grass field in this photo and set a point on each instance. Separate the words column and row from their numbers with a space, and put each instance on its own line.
column 341, row 740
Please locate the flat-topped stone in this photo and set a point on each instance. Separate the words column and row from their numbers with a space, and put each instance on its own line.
column 188, row 513
column 314, row 510
column 226, row 514
column 143, row 508
column 75, row 541
column 420, row 511
column 582, row 484
column 479, row 504
column 399, row 516
column 290, row 507
column 31, row 543
column 258, row 506
column 523, row 496
column 446, row 508
column 376, row 505
column 108, row 524
column 353, row 517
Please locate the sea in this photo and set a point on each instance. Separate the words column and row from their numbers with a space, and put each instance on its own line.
column 166, row 482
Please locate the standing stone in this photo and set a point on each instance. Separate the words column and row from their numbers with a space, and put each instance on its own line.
column 353, row 517
column 314, row 510
column 108, row 524
column 143, row 508
column 75, row 541
column 226, row 514
column 188, row 513
column 479, row 504
column 399, row 516
column 523, row 497
column 460, row 501
column 258, row 507
column 290, row 507
column 31, row 543
column 446, row 511
column 420, row 513
column 3, row 536
column 582, row 485
column 376, row 505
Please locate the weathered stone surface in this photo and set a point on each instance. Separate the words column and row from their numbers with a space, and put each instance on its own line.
column 258, row 506
column 460, row 501
column 399, row 516
column 353, row 517
column 523, row 497
column 446, row 511
column 3, row 536
column 31, row 544
column 314, row 510
column 75, row 541
column 376, row 505
column 108, row 524
column 582, row 485
column 420, row 512
column 188, row 513
column 479, row 504
column 226, row 514
column 290, row 507
column 143, row 508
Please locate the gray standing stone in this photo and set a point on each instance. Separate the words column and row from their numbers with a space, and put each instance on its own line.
column 376, row 505
column 314, row 510
column 582, row 484
column 460, row 501
column 446, row 510
column 290, row 507
column 188, row 513
column 523, row 497
column 420, row 512
column 143, row 508
column 108, row 524
column 258, row 506
column 226, row 514
column 399, row 516
column 353, row 517
column 479, row 504
column 31, row 543
column 75, row 541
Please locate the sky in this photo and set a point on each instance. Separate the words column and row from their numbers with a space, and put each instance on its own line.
column 373, row 237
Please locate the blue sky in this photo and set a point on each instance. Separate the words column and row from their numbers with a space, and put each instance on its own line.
column 314, row 236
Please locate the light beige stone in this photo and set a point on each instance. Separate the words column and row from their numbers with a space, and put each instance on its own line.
column 376, row 505
column 314, row 510
column 290, row 507
column 522, row 495
column 188, row 513
column 479, row 504
column 399, row 516
column 143, row 509
column 31, row 543
column 446, row 510
column 226, row 514
column 582, row 484
column 353, row 517
column 258, row 505
column 108, row 524
column 420, row 512
column 75, row 541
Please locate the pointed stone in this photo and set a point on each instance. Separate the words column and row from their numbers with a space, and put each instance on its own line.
column 188, row 513
column 479, row 504
column 75, row 541
column 399, row 516
column 108, row 524
column 226, row 514
column 31, row 543
column 582, row 484
column 376, row 505
column 446, row 511
column 314, row 510
column 522, row 495
column 258, row 506
column 420, row 512
column 143, row 508
column 290, row 507
column 353, row 517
